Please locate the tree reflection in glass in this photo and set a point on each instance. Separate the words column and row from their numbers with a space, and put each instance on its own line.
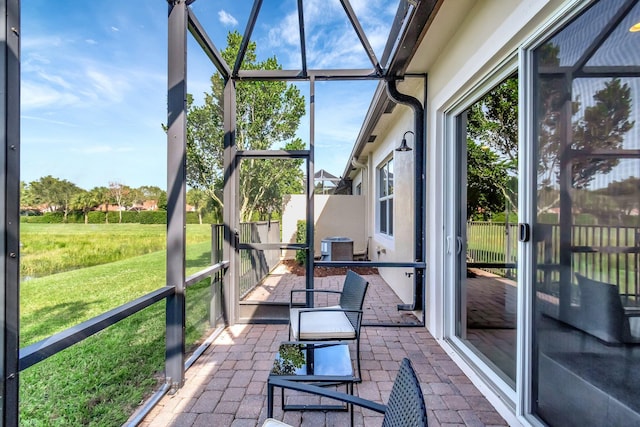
column 289, row 359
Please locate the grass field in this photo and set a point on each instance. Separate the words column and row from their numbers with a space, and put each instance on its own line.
column 101, row 380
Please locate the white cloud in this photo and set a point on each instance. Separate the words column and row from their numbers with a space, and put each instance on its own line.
column 34, row 95
column 331, row 41
column 104, row 85
column 57, row 80
column 286, row 32
column 91, row 41
column 227, row 19
column 115, row 29
column 45, row 120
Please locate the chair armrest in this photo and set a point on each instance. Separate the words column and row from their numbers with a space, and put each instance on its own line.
column 327, row 309
column 320, row 391
column 312, row 291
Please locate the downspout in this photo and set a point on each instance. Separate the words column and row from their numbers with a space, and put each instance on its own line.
column 419, row 215
column 364, row 170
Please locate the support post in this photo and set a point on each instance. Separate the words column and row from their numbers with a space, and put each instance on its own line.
column 9, row 215
column 176, row 191
column 310, row 193
column 230, row 201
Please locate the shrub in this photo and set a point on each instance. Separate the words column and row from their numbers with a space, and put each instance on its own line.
column 500, row 217
column 585, row 219
column 153, row 217
column 130, row 217
column 96, row 217
column 548, row 218
column 301, row 237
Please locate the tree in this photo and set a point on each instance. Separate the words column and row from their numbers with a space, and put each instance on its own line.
column 103, row 197
column 487, row 177
column 268, row 112
column 54, row 193
column 602, row 127
column 27, row 199
column 121, row 195
column 152, row 192
column 84, row 201
column 597, row 128
column 198, row 199
column 493, row 122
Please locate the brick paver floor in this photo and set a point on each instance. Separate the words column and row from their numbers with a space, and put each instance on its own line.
column 227, row 385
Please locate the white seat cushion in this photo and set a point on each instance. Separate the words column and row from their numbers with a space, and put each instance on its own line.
column 270, row 422
column 321, row 325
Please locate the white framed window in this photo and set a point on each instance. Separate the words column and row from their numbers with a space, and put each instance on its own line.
column 385, row 197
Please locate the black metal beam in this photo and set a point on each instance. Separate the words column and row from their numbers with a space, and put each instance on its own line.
column 246, row 38
column 176, row 191
column 361, row 35
column 271, row 246
column 201, row 36
column 365, row 264
column 207, row 272
column 10, row 211
column 303, row 48
column 230, row 203
column 604, row 34
column 310, row 211
column 39, row 351
column 273, row 154
column 292, row 75
column 606, row 154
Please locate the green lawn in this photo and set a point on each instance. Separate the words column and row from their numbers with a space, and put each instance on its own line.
column 101, row 380
column 53, row 248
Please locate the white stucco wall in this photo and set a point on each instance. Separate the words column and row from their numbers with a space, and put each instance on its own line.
column 467, row 42
column 334, row 215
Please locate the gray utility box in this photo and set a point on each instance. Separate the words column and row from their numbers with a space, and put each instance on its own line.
column 336, row 249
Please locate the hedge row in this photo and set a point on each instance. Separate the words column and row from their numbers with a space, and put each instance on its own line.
column 130, row 217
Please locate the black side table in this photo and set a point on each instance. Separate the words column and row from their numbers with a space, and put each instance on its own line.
column 316, row 363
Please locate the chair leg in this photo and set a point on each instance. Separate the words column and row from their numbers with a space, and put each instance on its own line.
column 358, row 359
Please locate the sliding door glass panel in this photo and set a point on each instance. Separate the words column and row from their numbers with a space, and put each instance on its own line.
column 587, row 234
column 487, row 221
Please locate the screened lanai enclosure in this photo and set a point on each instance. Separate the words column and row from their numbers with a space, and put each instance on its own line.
column 194, row 290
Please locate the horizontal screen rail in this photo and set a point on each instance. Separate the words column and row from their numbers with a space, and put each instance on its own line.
column 274, row 154
column 410, row 264
column 492, row 265
column 272, row 246
column 41, row 350
column 207, row 272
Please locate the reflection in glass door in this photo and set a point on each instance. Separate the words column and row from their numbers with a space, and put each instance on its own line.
column 587, row 232
column 486, row 236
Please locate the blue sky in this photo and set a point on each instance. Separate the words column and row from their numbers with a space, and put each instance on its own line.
column 94, row 80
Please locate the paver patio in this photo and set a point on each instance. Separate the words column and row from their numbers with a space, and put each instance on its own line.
column 226, row 386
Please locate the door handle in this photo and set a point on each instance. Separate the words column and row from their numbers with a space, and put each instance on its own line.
column 524, row 232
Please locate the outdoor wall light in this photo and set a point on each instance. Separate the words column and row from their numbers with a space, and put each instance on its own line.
column 403, row 145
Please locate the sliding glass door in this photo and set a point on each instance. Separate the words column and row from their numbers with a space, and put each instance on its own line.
column 586, row 86
column 484, row 239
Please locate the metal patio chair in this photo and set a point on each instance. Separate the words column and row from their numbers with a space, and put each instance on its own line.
column 405, row 408
column 334, row 323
